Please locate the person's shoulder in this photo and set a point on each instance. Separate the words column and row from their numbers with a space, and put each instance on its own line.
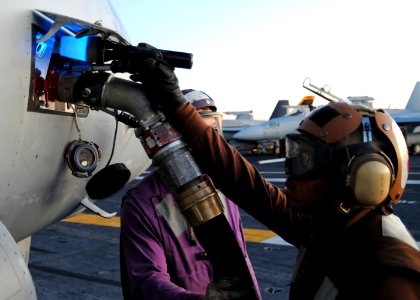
column 148, row 187
column 397, row 247
column 152, row 178
column 393, row 227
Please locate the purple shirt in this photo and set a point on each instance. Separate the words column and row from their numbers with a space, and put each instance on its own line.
column 162, row 255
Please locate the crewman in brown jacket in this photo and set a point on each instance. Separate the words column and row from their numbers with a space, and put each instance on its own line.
column 346, row 168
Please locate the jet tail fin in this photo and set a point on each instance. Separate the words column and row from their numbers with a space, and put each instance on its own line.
column 414, row 101
column 306, row 100
column 280, row 109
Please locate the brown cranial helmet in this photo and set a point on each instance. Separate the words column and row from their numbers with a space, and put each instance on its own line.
column 367, row 142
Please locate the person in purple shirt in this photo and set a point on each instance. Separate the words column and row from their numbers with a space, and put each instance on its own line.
column 160, row 256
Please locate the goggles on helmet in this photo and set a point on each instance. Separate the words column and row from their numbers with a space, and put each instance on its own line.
column 306, row 156
column 217, row 117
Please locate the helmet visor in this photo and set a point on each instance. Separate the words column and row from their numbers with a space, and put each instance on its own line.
column 306, row 156
column 214, row 118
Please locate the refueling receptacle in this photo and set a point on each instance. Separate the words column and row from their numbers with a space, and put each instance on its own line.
column 82, row 157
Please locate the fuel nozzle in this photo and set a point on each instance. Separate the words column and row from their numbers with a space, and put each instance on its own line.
column 124, row 58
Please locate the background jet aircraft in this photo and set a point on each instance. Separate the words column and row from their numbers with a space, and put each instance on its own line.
column 242, row 119
column 230, row 127
column 409, row 119
column 245, row 119
column 50, row 149
column 276, row 128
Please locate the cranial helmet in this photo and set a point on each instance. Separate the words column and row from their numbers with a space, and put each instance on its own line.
column 200, row 100
column 364, row 145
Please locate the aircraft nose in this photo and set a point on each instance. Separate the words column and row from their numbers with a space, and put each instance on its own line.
column 249, row 134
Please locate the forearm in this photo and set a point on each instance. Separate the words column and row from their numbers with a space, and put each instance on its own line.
column 225, row 166
column 234, row 175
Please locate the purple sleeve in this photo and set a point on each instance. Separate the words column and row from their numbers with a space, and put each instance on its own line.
column 145, row 256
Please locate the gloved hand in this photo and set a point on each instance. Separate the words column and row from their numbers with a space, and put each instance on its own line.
column 229, row 289
column 159, row 80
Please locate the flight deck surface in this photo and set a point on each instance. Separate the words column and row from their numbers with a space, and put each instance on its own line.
column 80, row 259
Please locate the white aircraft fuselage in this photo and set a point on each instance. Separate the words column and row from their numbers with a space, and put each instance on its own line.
column 37, row 188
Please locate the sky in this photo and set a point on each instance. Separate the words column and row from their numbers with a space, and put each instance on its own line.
column 248, row 54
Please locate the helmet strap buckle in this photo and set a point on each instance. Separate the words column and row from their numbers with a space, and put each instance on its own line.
column 343, row 208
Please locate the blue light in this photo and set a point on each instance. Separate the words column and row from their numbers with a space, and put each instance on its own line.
column 75, row 48
column 40, row 49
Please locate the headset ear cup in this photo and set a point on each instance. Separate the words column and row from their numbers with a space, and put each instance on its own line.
column 369, row 176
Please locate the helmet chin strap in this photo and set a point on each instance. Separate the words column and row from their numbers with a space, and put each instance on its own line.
column 344, row 203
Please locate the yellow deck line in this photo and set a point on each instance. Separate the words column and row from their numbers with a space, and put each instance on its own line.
column 94, row 220
column 251, row 235
column 257, row 235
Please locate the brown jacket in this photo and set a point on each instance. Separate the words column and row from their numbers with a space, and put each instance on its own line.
column 369, row 255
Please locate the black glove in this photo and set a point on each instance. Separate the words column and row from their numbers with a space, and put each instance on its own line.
column 229, row 289
column 159, row 80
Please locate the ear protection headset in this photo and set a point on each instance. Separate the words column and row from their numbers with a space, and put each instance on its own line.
column 372, row 176
column 369, row 175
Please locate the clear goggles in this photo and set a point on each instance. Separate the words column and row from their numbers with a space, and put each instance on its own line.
column 214, row 119
column 306, row 156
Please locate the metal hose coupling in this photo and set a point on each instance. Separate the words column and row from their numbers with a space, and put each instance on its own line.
column 199, row 202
